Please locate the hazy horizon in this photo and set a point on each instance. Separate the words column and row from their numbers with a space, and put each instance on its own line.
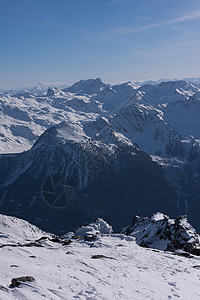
column 66, row 84
column 116, row 40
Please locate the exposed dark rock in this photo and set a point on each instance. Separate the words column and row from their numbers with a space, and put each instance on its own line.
column 118, row 185
column 3, row 288
column 98, row 256
column 183, row 253
column 67, row 242
column 56, row 240
column 15, row 282
column 160, row 232
column 195, row 251
column 90, row 238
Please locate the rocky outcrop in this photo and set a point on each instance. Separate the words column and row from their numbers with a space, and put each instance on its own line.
column 15, row 282
column 160, row 232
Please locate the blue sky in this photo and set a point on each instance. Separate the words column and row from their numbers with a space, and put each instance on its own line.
column 117, row 40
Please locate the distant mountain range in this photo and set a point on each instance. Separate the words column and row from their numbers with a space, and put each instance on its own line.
column 42, row 86
column 100, row 150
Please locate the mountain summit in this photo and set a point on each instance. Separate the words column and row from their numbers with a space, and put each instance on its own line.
column 100, row 150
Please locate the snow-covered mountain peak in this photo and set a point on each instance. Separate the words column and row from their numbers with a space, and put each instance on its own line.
column 96, row 83
column 94, row 229
column 125, row 86
column 62, row 133
column 160, row 232
column 89, row 86
column 70, row 132
column 52, row 92
column 180, row 86
column 167, row 92
column 98, row 124
column 143, row 108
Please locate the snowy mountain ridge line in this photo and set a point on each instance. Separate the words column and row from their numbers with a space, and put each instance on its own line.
column 25, row 117
column 93, row 128
column 88, row 156
column 15, row 230
column 157, row 231
column 160, row 232
column 42, row 86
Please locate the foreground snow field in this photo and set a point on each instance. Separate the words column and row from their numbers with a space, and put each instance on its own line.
column 119, row 269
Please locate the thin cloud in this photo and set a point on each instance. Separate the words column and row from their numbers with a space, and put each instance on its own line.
column 83, row 31
column 37, row 19
column 171, row 50
column 117, row 2
column 129, row 29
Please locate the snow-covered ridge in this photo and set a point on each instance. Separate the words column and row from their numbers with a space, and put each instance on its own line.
column 15, row 230
column 157, row 231
column 25, row 116
column 148, row 108
column 107, row 266
column 160, row 232
column 80, row 130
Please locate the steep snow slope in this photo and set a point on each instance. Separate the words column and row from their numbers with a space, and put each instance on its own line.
column 24, row 119
column 144, row 126
column 98, row 135
column 167, row 92
column 112, row 266
column 14, row 230
column 99, row 131
column 25, row 116
column 184, row 116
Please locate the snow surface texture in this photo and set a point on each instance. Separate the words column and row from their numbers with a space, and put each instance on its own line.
column 145, row 115
column 111, row 266
column 14, row 230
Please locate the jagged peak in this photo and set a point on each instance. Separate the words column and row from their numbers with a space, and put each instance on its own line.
column 53, row 91
column 90, row 86
column 161, row 232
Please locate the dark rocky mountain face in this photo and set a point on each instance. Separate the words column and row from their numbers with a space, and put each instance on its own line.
column 124, row 150
column 61, row 185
